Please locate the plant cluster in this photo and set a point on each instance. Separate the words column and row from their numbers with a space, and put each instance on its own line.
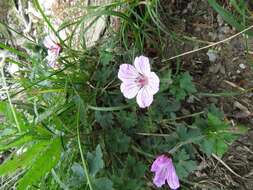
column 71, row 124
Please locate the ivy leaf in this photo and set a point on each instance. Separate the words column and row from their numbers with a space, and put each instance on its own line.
column 95, row 161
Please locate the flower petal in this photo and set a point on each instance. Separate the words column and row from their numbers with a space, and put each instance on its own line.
column 144, row 97
column 142, row 65
column 153, row 83
column 127, row 73
column 159, row 162
column 129, row 90
column 172, row 178
column 51, row 59
column 160, row 177
column 50, row 41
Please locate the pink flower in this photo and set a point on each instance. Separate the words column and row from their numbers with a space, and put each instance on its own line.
column 139, row 81
column 52, row 44
column 164, row 171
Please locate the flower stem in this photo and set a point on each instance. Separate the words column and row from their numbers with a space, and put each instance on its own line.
column 81, row 151
column 9, row 99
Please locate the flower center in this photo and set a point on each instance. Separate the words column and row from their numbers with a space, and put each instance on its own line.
column 56, row 49
column 142, row 80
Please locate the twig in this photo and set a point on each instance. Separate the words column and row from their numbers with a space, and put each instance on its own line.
column 224, row 164
column 179, row 145
column 208, row 46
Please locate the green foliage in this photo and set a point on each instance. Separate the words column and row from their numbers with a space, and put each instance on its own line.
column 95, row 161
column 217, row 132
column 65, row 112
column 117, row 141
column 130, row 175
column 23, row 160
column 103, row 184
column 6, row 110
column 185, row 164
column 182, row 86
column 127, row 119
column 43, row 163
column 239, row 22
column 104, row 119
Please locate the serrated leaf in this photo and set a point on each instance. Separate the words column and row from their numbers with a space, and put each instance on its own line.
column 106, row 57
column 24, row 160
column 215, row 124
column 127, row 119
column 207, row 146
column 103, row 184
column 95, row 161
column 42, row 164
column 117, row 141
column 185, row 165
column 21, row 140
column 220, row 147
column 166, row 80
column 104, row 119
column 5, row 109
column 186, row 83
column 77, row 178
column 215, row 111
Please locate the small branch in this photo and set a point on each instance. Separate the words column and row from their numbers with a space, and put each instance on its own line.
column 226, row 166
column 208, row 46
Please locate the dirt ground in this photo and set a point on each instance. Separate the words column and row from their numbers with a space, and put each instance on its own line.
column 224, row 68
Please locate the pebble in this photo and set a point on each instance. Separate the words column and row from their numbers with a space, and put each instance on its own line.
column 242, row 66
column 212, row 55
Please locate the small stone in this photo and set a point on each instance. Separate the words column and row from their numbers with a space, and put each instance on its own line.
column 212, row 55
column 238, row 71
column 220, row 20
column 242, row 66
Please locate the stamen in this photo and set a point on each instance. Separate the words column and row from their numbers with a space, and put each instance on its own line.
column 142, row 80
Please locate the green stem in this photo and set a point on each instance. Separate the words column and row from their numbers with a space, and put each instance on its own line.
column 179, row 145
column 117, row 108
column 37, row 5
column 9, row 99
column 81, row 151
